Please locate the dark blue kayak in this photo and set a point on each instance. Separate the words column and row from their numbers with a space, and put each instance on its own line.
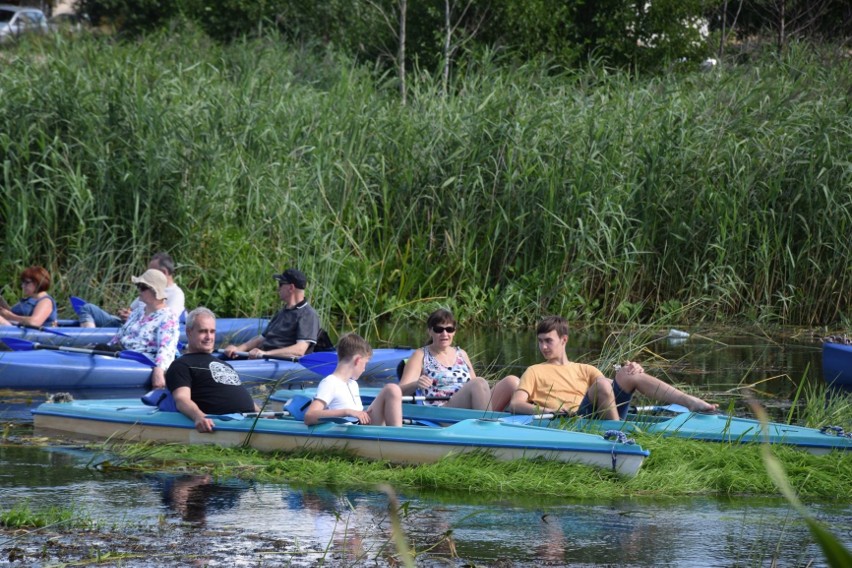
column 837, row 365
column 228, row 330
column 46, row 369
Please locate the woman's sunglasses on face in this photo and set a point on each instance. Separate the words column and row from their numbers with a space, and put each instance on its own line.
column 142, row 287
column 442, row 329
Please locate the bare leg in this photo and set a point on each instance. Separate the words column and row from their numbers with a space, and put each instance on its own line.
column 603, row 399
column 386, row 409
column 474, row 394
column 502, row 393
column 632, row 378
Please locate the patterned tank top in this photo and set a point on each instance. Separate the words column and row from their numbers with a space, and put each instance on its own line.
column 446, row 381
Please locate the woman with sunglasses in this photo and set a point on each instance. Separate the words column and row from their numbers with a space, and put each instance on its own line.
column 441, row 370
column 37, row 307
column 152, row 328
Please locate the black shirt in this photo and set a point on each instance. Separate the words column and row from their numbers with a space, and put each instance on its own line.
column 215, row 386
column 291, row 325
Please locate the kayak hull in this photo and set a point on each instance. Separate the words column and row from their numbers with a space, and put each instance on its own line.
column 228, row 330
column 837, row 365
column 44, row 369
column 128, row 419
column 687, row 425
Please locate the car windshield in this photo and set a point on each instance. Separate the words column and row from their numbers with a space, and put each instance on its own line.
column 6, row 15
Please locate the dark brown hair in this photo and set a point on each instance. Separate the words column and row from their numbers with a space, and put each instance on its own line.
column 551, row 323
column 38, row 275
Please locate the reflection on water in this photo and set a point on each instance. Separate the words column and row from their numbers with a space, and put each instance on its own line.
column 350, row 528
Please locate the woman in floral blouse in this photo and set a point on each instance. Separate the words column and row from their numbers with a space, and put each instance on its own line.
column 152, row 328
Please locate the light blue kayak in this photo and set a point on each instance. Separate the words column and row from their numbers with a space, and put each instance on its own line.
column 837, row 365
column 681, row 424
column 48, row 369
column 130, row 419
column 228, row 330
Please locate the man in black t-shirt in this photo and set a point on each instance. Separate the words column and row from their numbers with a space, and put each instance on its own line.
column 293, row 331
column 202, row 384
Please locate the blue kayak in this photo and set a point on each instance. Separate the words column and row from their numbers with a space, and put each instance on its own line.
column 228, row 330
column 837, row 365
column 689, row 425
column 130, row 419
column 49, row 369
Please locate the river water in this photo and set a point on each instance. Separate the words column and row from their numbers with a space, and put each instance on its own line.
column 197, row 521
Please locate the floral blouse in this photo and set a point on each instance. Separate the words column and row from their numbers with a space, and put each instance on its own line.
column 155, row 335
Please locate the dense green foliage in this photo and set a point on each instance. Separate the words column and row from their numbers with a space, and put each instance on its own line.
column 592, row 194
column 621, row 32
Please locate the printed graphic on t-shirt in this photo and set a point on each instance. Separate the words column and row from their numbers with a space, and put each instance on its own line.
column 224, row 374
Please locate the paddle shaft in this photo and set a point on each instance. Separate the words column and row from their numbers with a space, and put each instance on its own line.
column 245, row 354
column 24, row 345
column 41, row 328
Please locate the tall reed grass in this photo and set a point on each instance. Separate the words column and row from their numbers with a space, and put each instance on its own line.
column 525, row 191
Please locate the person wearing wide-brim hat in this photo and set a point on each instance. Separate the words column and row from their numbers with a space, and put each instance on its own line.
column 293, row 331
column 152, row 328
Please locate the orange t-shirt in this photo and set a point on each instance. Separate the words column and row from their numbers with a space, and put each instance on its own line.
column 558, row 386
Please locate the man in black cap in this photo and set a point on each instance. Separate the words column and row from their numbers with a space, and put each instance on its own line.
column 293, row 331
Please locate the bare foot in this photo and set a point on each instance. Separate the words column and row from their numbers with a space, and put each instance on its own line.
column 704, row 407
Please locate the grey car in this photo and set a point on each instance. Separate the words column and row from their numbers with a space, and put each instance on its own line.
column 17, row 20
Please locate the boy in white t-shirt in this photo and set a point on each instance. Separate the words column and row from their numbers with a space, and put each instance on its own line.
column 338, row 395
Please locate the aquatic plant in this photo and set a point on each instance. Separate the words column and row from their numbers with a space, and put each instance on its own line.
column 525, row 190
column 21, row 515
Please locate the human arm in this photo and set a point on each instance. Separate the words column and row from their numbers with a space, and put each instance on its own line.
column 412, row 375
column 520, row 404
column 187, row 407
column 296, row 350
column 40, row 314
column 468, row 363
column 168, row 331
column 319, row 410
column 231, row 351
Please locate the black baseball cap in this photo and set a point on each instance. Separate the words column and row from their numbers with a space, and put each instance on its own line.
column 292, row 276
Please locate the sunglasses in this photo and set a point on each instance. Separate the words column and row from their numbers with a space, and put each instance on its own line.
column 26, row 281
column 441, row 329
column 142, row 287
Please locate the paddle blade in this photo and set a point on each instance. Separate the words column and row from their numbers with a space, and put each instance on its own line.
column 297, row 406
column 136, row 356
column 524, row 419
column 322, row 363
column 77, row 304
column 18, row 344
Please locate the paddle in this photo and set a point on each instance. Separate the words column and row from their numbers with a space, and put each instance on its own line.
column 527, row 419
column 77, row 304
column 417, row 398
column 322, row 362
column 23, row 345
column 42, row 328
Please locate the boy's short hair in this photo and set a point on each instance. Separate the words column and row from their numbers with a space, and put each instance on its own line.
column 352, row 344
column 551, row 323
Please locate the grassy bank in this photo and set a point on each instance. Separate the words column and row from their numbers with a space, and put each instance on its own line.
column 594, row 195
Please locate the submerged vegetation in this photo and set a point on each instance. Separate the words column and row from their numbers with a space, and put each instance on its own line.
column 524, row 190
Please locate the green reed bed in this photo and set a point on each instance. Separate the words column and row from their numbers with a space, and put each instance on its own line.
column 675, row 468
column 526, row 190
